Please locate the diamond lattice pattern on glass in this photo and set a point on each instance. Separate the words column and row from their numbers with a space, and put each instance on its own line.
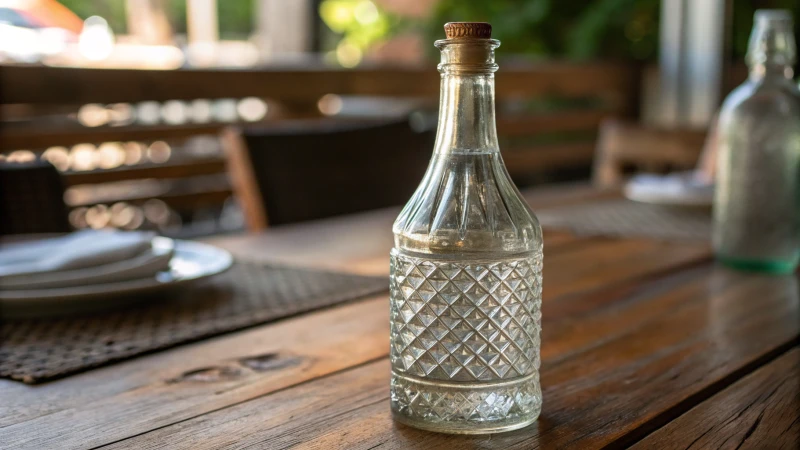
column 465, row 322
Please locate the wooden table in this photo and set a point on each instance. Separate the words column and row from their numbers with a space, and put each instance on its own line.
column 645, row 343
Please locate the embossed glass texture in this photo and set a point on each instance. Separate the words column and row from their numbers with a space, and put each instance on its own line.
column 466, row 271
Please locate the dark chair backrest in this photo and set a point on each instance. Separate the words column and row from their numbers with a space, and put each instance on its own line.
column 31, row 199
column 313, row 169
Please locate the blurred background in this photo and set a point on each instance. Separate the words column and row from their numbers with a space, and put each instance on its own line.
column 198, row 117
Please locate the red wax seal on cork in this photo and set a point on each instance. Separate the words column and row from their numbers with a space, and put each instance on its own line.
column 468, row 30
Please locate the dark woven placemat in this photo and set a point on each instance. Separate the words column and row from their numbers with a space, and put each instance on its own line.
column 625, row 218
column 249, row 294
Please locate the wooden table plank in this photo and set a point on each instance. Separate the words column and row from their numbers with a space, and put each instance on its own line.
column 605, row 262
column 87, row 410
column 700, row 339
column 135, row 392
column 760, row 411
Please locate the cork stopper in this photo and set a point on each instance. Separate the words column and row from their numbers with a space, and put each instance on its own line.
column 468, row 30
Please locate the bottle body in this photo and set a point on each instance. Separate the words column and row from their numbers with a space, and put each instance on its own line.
column 757, row 196
column 466, row 286
column 467, row 359
column 466, row 274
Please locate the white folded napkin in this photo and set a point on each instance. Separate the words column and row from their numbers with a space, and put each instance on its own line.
column 144, row 265
column 79, row 250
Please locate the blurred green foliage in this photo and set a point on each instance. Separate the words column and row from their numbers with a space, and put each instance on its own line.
column 584, row 29
column 353, row 26
column 235, row 16
column 743, row 20
column 111, row 10
column 359, row 21
column 560, row 28
column 576, row 29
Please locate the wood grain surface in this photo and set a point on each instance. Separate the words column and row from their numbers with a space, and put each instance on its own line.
column 334, row 340
column 760, row 411
column 604, row 390
column 636, row 334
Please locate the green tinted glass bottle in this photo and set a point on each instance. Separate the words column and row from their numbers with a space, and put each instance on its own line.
column 756, row 206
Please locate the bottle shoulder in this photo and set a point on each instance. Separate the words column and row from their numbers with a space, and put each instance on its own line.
column 781, row 96
column 467, row 203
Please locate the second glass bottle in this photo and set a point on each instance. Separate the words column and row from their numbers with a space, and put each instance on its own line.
column 757, row 195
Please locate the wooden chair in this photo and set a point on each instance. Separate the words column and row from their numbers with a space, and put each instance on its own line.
column 307, row 170
column 624, row 147
column 31, row 199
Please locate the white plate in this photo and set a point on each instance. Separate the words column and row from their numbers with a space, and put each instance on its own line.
column 678, row 189
column 191, row 261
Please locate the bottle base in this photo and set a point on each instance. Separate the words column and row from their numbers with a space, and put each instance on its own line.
column 471, row 429
column 466, row 408
column 754, row 265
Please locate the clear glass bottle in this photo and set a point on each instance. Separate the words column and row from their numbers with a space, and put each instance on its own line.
column 466, row 269
column 756, row 205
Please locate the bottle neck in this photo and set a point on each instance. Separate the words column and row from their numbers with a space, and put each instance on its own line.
column 771, row 52
column 466, row 102
column 466, row 114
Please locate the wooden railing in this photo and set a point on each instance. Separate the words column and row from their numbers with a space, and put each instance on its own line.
column 51, row 85
column 548, row 114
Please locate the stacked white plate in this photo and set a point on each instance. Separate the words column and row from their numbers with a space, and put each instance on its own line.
column 97, row 269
